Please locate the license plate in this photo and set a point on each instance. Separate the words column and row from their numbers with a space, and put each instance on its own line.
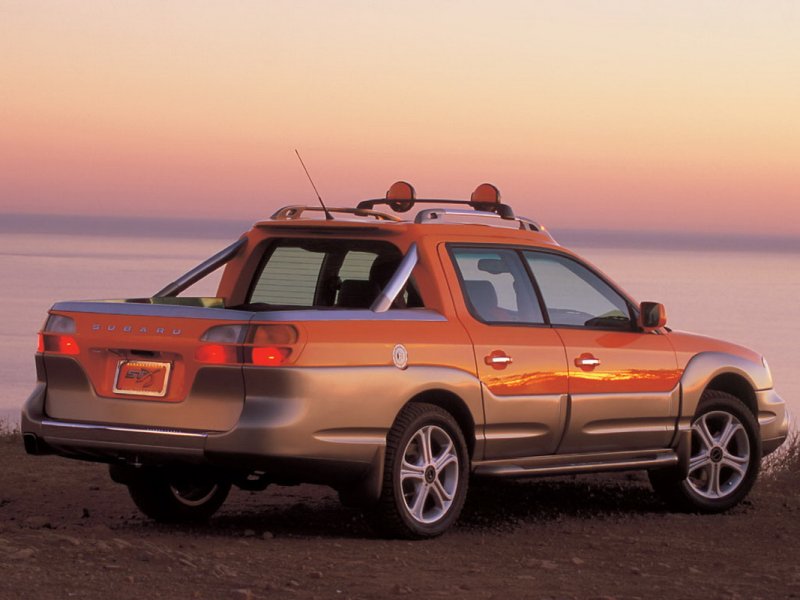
column 142, row 378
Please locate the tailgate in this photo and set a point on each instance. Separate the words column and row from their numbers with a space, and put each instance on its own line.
column 135, row 364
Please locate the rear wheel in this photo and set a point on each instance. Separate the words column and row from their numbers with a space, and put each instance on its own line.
column 425, row 475
column 176, row 498
column 725, row 458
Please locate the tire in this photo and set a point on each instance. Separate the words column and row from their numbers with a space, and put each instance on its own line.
column 178, row 497
column 725, row 458
column 426, row 474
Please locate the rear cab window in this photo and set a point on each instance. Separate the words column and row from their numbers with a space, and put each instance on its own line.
column 330, row 273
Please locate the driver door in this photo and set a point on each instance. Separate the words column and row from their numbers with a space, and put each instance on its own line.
column 623, row 383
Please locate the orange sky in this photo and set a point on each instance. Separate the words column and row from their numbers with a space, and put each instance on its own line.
column 654, row 115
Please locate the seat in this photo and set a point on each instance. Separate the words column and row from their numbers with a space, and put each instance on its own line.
column 356, row 293
column 483, row 298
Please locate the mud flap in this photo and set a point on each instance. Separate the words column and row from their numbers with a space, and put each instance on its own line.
column 367, row 491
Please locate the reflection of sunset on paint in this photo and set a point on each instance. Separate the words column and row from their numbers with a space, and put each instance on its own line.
column 516, row 384
column 542, row 382
column 666, row 115
column 657, row 379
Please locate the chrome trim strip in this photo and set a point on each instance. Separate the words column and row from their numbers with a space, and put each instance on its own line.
column 575, row 463
column 363, row 314
column 384, row 300
column 137, row 309
column 120, row 429
column 520, row 471
column 201, row 270
column 223, row 314
column 355, row 435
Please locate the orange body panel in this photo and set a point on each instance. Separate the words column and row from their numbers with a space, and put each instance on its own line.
column 688, row 345
column 629, row 362
column 107, row 339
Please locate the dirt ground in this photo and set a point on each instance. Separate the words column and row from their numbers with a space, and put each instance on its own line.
column 67, row 531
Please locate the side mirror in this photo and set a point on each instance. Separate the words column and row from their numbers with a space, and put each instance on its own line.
column 652, row 315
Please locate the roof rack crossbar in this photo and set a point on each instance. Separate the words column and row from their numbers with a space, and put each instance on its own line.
column 474, row 217
column 503, row 210
column 295, row 212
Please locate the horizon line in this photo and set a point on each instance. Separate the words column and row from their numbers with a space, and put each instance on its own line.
column 227, row 227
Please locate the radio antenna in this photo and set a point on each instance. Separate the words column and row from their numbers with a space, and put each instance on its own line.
column 328, row 215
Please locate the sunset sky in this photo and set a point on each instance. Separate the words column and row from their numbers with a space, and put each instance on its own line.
column 648, row 115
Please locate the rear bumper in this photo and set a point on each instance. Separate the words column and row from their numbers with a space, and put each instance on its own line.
column 314, row 425
column 243, row 449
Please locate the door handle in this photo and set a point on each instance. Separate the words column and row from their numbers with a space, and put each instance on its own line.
column 498, row 359
column 587, row 361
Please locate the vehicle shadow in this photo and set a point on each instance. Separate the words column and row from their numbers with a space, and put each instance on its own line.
column 492, row 504
column 499, row 503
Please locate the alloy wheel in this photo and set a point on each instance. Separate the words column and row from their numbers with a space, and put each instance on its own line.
column 720, row 457
column 429, row 474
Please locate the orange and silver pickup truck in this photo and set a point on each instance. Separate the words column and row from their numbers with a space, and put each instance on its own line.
column 393, row 359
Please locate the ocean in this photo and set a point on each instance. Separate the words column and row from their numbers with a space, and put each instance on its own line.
column 746, row 294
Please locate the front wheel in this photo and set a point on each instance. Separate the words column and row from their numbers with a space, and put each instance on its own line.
column 725, row 458
column 178, row 498
column 425, row 474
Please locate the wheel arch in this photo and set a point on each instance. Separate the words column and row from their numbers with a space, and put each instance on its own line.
column 457, row 407
column 735, row 385
column 723, row 372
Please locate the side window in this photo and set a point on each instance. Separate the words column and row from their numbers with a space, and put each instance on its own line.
column 575, row 296
column 496, row 286
column 289, row 277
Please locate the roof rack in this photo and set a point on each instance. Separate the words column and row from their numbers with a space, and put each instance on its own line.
column 295, row 212
column 477, row 217
column 451, row 215
column 402, row 197
column 503, row 211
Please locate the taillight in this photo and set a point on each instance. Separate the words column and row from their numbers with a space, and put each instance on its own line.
column 226, row 346
column 225, row 334
column 261, row 345
column 60, row 344
column 268, row 356
column 282, row 335
column 59, row 324
column 40, row 342
column 217, row 354
column 271, row 345
column 54, row 339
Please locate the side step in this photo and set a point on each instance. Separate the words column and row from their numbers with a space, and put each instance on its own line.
column 562, row 464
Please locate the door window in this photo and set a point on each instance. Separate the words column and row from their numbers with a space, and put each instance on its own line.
column 496, row 286
column 575, row 296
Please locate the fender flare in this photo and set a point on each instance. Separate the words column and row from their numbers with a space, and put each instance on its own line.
column 700, row 371
column 704, row 367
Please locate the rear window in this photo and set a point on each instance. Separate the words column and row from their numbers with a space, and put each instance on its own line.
column 290, row 277
column 327, row 274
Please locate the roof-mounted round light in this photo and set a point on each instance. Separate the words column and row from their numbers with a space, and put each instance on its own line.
column 485, row 197
column 400, row 197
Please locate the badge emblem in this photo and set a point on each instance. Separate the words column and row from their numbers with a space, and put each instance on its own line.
column 400, row 356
